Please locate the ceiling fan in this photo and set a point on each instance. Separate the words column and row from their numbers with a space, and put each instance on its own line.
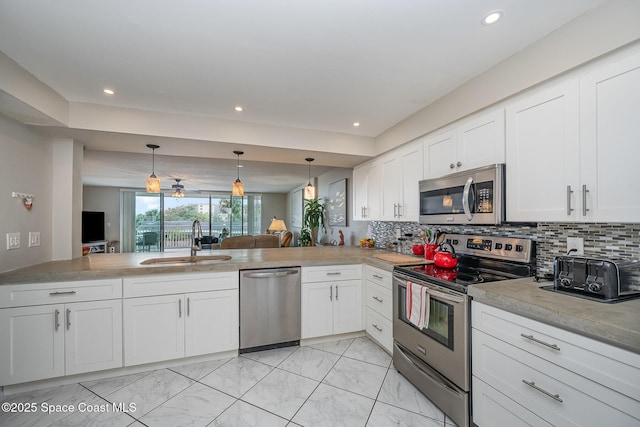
column 178, row 189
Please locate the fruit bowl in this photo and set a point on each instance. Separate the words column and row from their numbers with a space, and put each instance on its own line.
column 367, row 242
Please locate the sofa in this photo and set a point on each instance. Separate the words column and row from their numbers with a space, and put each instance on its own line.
column 251, row 242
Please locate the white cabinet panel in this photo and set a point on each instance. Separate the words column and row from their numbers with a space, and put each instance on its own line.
column 93, row 336
column 211, row 324
column 380, row 329
column 440, row 152
column 317, row 309
column 542, row 172
column 32, row 343
column 347, row 311
column 610, row 141
column 367, row 192
column 153, row 329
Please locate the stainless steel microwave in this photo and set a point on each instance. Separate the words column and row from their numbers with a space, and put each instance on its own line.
column 475, row 196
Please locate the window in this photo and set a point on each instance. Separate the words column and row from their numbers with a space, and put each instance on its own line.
column 161, row 222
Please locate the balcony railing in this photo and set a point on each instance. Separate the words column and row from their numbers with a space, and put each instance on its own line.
column 177, row 234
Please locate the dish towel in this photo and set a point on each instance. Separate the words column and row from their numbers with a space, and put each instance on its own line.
column 417, row 305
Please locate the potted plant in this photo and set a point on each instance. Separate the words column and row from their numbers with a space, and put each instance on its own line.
column 305, row 237
column 313, row 218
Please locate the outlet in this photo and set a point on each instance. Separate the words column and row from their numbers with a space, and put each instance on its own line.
column 576, row 243
column 34, row 238
column 13, row 241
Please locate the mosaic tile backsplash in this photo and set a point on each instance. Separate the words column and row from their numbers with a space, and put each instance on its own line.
column 611, row 241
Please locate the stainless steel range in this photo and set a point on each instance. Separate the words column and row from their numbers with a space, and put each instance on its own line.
column 434, row 355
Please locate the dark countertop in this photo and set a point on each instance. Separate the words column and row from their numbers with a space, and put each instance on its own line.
column 614, row 323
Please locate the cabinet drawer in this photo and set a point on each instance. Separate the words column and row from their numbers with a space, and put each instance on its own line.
column 606, row 364
column 379, row 277
column 493, row 409
column 332, row 273
column 557, row 395
column 59, row 292
column 166, row 284
column 379, row 299
column 380, row 329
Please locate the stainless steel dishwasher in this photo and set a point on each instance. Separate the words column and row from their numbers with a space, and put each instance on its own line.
column 269, row 308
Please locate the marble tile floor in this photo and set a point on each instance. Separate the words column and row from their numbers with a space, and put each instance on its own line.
column 341, row 383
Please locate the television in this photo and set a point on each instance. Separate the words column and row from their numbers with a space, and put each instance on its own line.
column 92, row 226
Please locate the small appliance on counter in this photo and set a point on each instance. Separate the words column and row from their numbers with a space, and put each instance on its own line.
column 597, row 279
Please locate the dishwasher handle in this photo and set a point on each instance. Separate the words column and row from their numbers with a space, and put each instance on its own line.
column 269, row 274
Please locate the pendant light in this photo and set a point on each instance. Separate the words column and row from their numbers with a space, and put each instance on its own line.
column 238, row 186
column 153, row 183
column 309, row 190
column 177, row 188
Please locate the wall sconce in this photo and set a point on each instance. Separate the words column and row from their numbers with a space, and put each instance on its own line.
column 27, row 199
column 309, row 190
column 238, row 186
column 153, row 183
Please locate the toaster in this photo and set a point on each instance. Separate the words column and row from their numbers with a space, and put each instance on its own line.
column 604, row 279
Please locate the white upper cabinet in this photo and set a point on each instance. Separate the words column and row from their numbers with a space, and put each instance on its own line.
column 572, row 147
column 542, row 155
column 401, row 173
column 366, row 192
column 470, row 143
column 610, row 142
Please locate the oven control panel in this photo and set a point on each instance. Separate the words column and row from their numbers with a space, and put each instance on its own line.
column 503, row 248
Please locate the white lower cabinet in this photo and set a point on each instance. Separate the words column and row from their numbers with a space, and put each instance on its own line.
column 537, row 374
column 165, row 327
column 331, row 300
column 379, row 309
column 53, row 340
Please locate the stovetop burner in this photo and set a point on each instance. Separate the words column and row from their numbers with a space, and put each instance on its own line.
column 478, row 261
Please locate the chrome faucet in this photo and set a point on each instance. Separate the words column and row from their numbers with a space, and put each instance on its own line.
column 196, row 239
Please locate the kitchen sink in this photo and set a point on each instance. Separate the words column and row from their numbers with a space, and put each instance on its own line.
column 186, row 259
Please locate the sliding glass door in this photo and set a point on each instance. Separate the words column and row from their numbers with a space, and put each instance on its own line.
column 159, row 222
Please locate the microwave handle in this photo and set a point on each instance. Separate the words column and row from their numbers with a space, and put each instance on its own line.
column 465, row 198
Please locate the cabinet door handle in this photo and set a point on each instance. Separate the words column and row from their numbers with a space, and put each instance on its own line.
column 399, row 211
column 180, row 308
column 334, row 273
column 376, row 326
column 459, row 164
column 58, row 293
column 569, row 193
column 584, row 200
column 532, row 338
column 541, row 390
column 336, row 292
column 330, row 293
column 57, row 319
column 377, row 276
column 68, row 319
column 377, row 299
column 451, row 166
column 188, row 306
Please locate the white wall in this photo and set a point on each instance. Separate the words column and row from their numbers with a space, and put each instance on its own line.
column 25, row 167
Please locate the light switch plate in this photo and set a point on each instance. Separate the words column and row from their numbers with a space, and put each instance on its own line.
column 34, row 238
column 13, row 241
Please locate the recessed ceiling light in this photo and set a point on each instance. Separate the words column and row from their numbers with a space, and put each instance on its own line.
column 356, row 124
column 239, row 109
column 108, row 91
column 492, row 17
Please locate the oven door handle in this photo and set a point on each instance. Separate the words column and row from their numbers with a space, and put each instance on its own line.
column 441, row 295
column 446, row 297
column 465, row 198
